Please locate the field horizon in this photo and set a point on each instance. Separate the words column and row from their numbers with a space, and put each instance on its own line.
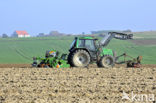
column 22, row 50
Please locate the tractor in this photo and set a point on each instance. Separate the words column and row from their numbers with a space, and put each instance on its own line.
column 86, row 50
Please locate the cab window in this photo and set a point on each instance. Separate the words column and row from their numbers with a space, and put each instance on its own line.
column 90, row 44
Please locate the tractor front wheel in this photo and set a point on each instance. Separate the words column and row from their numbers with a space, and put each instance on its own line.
column 106, row 61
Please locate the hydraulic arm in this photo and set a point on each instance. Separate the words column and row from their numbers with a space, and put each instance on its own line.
column 116, row 35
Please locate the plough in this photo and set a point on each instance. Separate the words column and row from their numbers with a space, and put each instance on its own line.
column 134, row 62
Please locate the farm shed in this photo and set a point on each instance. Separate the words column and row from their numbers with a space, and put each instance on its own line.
column 20, row 34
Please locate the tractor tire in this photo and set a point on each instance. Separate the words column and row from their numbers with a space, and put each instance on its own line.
column 69, row 59
column 79, row 58
column 106, row 61
column 98, row 64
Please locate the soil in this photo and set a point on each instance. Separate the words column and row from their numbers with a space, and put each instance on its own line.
column 15, row 65
column 90, row 66
column 74, row 85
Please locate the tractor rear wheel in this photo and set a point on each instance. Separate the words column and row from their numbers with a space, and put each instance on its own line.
column 70, row 59
column 79, row 58
column 106, row 61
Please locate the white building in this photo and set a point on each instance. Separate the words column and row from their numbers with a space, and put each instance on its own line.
column 20, row 34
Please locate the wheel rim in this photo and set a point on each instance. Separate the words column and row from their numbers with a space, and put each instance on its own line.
column 81, row 59
column 107, row 61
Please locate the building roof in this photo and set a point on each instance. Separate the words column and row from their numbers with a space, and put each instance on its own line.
column 21, row 33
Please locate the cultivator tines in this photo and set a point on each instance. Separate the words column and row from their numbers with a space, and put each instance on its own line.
column 136, row 62
column 133, row 64
column 42, row 65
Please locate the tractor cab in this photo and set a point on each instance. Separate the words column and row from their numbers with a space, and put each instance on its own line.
column 88, row 43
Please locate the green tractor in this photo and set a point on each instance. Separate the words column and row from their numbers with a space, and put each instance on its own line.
column 86, row 50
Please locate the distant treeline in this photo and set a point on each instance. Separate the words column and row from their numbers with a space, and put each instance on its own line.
column 57, row 33
column 52, row 33
column 100, row 32
column 106, row 31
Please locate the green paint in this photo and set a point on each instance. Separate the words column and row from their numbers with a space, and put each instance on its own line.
column 106, row 52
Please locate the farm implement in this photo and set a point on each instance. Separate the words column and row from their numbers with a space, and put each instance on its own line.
column 87, row 50
column 52, row 60
column 134, row 62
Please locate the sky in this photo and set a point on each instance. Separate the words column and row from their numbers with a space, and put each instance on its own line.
column 76, row 16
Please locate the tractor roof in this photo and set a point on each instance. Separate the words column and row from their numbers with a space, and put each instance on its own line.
column 87, row 37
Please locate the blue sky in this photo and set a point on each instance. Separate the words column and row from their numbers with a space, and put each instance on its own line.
column 76, row 16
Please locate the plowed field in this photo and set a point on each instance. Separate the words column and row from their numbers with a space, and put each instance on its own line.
column 74, row 85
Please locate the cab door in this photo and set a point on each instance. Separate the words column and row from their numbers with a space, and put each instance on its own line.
column 90, row 45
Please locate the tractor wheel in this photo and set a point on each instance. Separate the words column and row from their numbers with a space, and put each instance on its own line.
column 70, row 59
column 106, row 61
column 80, row 58
column 98, row 64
